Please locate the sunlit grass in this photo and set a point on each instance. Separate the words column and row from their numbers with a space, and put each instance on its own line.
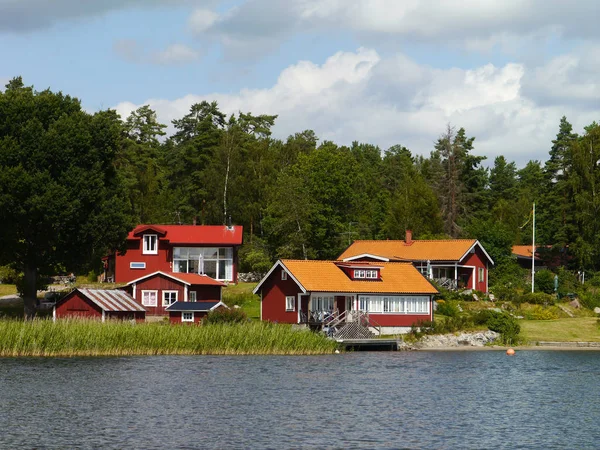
column 7, row 289
column 93, row 338
column 580, row 329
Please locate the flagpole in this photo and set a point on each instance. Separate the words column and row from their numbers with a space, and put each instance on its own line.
column 533, row 253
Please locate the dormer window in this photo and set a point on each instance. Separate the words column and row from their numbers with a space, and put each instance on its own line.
column 369, row 274
column 150, row 244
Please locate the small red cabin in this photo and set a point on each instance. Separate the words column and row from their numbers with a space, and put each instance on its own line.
column 201, row 249
column 156, row 291
column 99, row 304
column 191, row 312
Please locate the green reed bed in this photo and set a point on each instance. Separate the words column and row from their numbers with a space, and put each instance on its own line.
column 92, row 338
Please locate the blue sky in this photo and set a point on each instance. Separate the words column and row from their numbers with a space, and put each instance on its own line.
column 377, row 71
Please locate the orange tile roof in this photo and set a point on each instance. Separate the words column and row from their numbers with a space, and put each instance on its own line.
column 523, row 251
column 326, row 276
column 418, row 250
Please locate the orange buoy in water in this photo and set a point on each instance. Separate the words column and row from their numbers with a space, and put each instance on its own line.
column 510, row 352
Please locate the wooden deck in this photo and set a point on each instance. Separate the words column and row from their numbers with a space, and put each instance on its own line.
column 369, row 344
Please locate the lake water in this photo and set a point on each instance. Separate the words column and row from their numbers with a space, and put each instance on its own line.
column 448, row 400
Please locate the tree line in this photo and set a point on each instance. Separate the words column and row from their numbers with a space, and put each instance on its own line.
column 68, row 176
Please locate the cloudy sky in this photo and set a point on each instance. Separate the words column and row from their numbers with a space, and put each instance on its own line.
column 379, row 71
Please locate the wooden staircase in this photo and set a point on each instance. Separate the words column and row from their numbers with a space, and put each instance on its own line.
column 354, row 325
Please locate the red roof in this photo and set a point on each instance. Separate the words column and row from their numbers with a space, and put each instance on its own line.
column 186, row 278
column 193, row 234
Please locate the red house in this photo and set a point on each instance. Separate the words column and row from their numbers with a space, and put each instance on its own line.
column 201, row 249
column 453, row 263
column 99, row 304
column 158, row 290
column 394, row 295
column 191, row 312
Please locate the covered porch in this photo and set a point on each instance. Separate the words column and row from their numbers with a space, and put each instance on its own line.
column 449, row 275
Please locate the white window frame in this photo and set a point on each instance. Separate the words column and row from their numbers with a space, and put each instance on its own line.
column 481, row 273
column 222, row 257
column 290, row 303
column 183, row 313
column 192, row 296
column 137, row 265
column 147, row 303
column 283, row 275
column 164, row 303
column 394, row 304
column 369, row 274
column 146, row 247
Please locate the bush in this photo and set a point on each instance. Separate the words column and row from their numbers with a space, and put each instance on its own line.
column 224, row 315
column 539, row 313
column 506, row 325
column 449, row 308
column 239, row 299
column 8, row 275
column 590, row 300
column 482, row 317
column 544, row 281
column 505, row 293
column 536, row 298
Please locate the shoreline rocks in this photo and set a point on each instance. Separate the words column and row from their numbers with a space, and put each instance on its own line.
column 478, row 339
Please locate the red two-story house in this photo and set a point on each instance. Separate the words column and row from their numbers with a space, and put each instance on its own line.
column 201, row 249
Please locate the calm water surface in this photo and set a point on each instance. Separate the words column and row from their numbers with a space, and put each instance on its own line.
column 538, row 399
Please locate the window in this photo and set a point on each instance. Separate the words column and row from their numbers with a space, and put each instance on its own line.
column 321, row 303
column 187, row 316
column 137, row 265
column 214, row 262
column 283, row 275
column 481, row 275
column 150, row 244
column 169, row 297
column 289, row 303
column 394, row 304
column 369, row 274
column 192, row 296
column 149, row 298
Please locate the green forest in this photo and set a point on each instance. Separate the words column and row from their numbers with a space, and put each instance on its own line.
column 296, row 198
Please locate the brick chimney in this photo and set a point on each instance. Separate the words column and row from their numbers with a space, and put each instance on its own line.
column 408, row 239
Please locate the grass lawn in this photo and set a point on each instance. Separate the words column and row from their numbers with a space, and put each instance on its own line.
column 241, row 294
column 584, row 329
column 7, row 289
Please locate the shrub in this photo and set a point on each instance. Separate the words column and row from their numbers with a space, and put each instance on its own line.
column 590, row 300
column 8, row 275
column 482, row 317
column 505, row 293
column 506, row 325
column 539, row 313
column 449, row 308
column 239, row 299
column 544, row 281
column 224, row 315
column 536, row 298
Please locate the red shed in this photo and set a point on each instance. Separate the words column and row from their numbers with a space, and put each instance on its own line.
column 156, row 291
column 99, row 304
column 191, row 312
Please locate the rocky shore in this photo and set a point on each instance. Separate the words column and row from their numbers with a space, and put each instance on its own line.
column 460, row 340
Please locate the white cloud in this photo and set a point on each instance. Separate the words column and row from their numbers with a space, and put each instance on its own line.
column 175, row 54
column 386, row 101
column 473, row 24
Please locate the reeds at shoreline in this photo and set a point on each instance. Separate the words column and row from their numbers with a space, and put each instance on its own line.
column 92, row 338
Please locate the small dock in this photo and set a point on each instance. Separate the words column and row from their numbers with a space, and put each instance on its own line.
column 370, row 345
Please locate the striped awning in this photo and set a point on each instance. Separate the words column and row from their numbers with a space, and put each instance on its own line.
column 112, row 299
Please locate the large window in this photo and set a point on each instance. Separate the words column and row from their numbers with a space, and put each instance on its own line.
column 214, row 262
column 150, row 244
column 149, row 298
column 169, row 297
column 321, row 303
column 394, row 304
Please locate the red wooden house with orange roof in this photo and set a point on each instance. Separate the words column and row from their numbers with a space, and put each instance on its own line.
column 453, row 263
column 394, row 295
column 201, row 249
